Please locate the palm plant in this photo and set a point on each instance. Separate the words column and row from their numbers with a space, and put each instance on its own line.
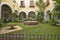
column 41, row 6
column 56, row 10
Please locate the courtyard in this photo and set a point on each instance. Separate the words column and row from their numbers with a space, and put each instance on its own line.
column 30, row 19
column 42, row 29
column 37, row 32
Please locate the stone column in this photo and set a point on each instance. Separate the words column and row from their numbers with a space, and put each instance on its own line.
column 0, row 11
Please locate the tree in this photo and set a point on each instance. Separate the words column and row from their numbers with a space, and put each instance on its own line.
column 39, row 17
column 57, row 5
column 57, row 8
column 57, row 0
column 56, row 12
column 41, row 5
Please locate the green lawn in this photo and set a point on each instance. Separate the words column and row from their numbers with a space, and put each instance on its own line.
column 3, row 25
column 41, row 29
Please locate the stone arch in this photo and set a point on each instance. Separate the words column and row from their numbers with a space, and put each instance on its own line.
column 48, row 14
column 31, row 14
column 22, row 15
column 6, row 13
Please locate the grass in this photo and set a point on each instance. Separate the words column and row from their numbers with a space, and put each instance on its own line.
column 3, row 25
column 41, row 29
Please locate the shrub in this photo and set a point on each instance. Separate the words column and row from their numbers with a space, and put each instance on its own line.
column 47, row 21
column 15, row 17
column 53, row 21
column 28, row 19
column 40, row 16
column 16, row 20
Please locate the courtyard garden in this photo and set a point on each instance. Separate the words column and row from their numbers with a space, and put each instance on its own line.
column 31, row 32
column 32, row 25
column 42, row 29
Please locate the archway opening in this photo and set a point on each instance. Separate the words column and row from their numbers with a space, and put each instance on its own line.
column 48, row 15
column 31, row 15
column 6, row 13
column 22, row 15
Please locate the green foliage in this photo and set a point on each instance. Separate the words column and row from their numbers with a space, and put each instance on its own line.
column 41, row 5
column 40, row 16
column 14, row 14
column 57, row 1
column 41, row 29
column 28, row 19
column 57, row 14
column 56, row 11
column 53, row 21
column 50, row 14
column 57, row 6
column 16, row 20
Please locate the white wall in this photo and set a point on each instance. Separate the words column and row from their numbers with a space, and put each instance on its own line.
column 50, row 7
column 27, row 9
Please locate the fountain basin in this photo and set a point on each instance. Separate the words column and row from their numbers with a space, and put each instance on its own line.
column 31, row 22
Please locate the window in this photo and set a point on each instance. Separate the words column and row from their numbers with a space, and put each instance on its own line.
column 22, row 4
column 31, row 3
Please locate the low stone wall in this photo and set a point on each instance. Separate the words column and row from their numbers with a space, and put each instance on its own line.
column 31, row 22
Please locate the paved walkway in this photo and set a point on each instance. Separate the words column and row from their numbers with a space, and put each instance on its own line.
column 7, row 30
